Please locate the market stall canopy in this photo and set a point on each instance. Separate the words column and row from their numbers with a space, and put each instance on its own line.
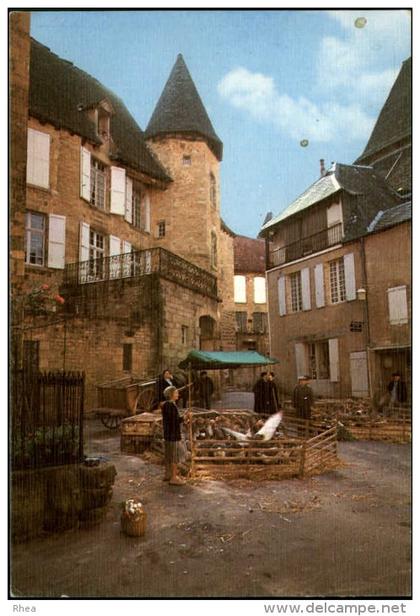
column 219, row 360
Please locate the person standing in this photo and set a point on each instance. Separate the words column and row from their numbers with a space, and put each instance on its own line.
column 274, row 400
column 303, row 398
column 261, row 391
column 397, row 391
column 172, row 436
column 164, row 380
column 205, row 390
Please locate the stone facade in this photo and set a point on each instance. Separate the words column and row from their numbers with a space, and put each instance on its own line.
column 390, row 342
column 293, row 332
column 161, row 313
column 19, row 87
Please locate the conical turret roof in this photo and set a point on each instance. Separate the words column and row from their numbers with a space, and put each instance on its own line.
column 181, row 110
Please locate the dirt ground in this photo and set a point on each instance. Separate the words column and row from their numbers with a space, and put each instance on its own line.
column 342, row 534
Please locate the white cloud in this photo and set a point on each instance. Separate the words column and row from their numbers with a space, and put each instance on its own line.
column 299, row 118
column 363, row 62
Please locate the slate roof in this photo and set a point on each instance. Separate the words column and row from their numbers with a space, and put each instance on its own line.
column 248, row 254
column 394, row 120
column 60, row 93
column 391, row 217
column 181, row 110
column 353, row 179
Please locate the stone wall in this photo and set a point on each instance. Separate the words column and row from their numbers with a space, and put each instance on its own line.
column 19, row 46
column 59, row 498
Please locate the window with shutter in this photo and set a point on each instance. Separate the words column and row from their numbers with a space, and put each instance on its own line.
column 349, row 276
column 118, row 187
column 56, row 241
column 127, row 259
column 334, row 359
column 301, row 359
column 260, row 295
column 38, row 159
column 129, row 200
column 282, row 295
column 337, row 281
column 34, row 238
column 306, row 289
column 241, row 322
column 296, row 304
column 114, row 257
column 319, row 285
column 239, row 283
column 97, row 184
column 84, row 252
column 85, row 164
column 397, row 305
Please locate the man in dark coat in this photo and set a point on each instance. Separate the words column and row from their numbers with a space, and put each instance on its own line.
column 303, row 398
column 397, row 392
column 205, row 390
column 166, row 379
column 266, row 400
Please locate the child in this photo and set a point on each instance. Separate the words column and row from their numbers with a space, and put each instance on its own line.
column 172, row 435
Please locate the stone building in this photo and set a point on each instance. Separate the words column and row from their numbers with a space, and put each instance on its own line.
column 250, row 304
column 125, row 224
column 339, row 272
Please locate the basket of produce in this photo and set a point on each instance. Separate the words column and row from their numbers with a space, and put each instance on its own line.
column 133, row 518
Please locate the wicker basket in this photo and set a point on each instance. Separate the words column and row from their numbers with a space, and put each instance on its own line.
column 134, row 526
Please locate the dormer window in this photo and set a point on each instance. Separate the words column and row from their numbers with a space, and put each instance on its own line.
column 186, row 161
column 103, row 124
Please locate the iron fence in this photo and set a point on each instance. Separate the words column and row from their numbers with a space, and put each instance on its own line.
column 47, row 418
column 141, row 263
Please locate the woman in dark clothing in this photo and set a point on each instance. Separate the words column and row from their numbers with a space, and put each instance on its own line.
column 165, row 380
column 262, row 395
column 172, row 436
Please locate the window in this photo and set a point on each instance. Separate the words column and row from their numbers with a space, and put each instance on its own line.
column 161, row 229
column 241, row 322
column 186, row 160
column 260, row 296
column 96, row 254
column 259, row 322
column 103, row 123
column 38, row 159
column 184, row 334
column 239, row 283
column 318, row 360
column 213, row 256
column 337, row 281
column 397, row 304
column 97, row 183
column 213, row 196
column 35, row 239
column 296, row 292
column 127, row 357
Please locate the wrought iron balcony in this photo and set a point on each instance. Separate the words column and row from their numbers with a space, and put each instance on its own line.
column 141, row 263
column 307, row 245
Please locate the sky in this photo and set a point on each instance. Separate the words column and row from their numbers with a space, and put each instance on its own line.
column 283, row 89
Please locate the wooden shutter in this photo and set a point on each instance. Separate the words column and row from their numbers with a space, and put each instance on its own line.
column 38, row 161
column 56, row 241
column 319, row 285
column 301, row 363
column 84, row 241
column 146, row 203
column 306, row 289
column 349, row 277
column 334, row 359
column 85, row 174
column 129, row 200
column 117, row 191
column 397, row 304
column 282, row 295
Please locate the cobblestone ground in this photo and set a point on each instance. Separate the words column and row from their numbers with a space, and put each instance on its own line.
column 345, row 533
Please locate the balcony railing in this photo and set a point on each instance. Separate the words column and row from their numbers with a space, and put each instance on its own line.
column 141, row 263
column 307, row 245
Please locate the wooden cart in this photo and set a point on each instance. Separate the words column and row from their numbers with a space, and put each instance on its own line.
column 124, row 397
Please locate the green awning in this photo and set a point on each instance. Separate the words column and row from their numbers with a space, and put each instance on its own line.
column 218, row 360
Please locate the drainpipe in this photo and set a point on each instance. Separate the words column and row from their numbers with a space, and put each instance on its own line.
column 367, row 319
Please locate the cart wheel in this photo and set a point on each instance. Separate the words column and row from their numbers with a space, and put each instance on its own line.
column 147, row 399
column 111, row 421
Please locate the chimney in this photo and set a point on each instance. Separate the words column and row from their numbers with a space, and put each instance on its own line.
column 322, row 167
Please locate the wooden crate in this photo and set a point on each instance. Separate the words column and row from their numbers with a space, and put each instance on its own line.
column 137, row 432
